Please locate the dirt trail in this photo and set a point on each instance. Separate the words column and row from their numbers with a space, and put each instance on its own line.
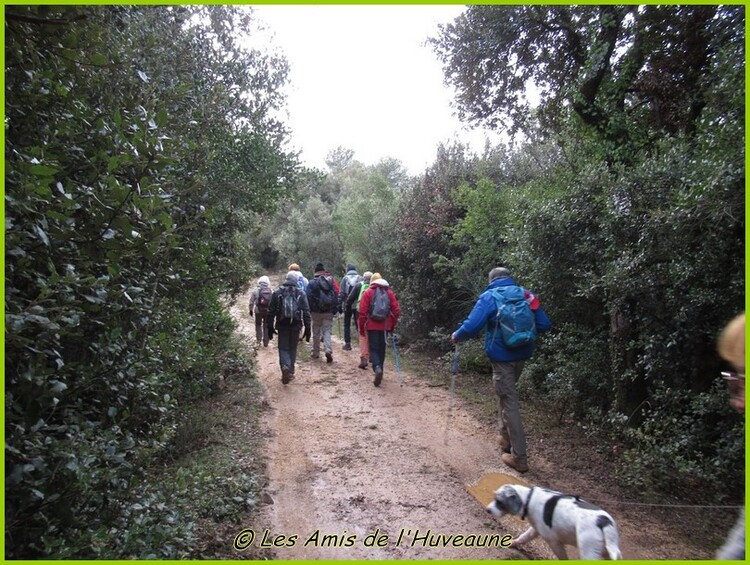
column 359, row 472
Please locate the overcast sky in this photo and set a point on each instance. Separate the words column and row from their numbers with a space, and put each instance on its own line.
column 362, row 78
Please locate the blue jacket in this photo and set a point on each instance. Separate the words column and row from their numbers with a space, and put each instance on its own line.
column 483, row 315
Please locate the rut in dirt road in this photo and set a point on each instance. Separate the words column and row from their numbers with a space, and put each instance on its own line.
column 359, row 472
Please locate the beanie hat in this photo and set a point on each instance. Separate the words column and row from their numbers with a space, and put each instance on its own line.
column 374, row 277
column 366, row 275
column 264, row 281
column 294, row 267
column 350, row 267
column 291, row 277
column 319, row 268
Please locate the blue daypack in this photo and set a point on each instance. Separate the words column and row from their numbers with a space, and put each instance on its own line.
column 514, row 316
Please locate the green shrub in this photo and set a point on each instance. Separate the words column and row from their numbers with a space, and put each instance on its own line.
column 688, row 443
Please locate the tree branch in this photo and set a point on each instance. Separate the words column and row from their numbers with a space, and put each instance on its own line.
column 43, row 21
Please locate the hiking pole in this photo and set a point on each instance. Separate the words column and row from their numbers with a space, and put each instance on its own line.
column 395, row 356
column 452, row 397
column 454, row 372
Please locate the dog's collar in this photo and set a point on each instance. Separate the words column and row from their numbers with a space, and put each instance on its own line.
column 526, row 504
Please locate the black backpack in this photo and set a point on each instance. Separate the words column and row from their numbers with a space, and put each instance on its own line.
column 326, row 295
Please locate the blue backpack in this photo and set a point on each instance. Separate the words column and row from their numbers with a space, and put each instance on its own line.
column 514, row 316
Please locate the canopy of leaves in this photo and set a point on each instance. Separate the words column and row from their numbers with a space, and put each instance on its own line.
column 629, row 72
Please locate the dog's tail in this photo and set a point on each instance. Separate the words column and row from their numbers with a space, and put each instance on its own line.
column 611, row 537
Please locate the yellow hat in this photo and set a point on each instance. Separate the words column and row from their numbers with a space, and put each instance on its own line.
column 374, row 277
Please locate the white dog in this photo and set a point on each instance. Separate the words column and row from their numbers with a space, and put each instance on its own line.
column 560, row 519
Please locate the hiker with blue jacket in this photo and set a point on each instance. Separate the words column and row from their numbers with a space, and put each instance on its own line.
column 511, row 317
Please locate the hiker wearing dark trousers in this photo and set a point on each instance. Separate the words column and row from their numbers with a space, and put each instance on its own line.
column 322, row 295
column 260, row 299
column 378, row 314
column 507, row 360
column 355, row 295
column 287, row 315
column 349, row 280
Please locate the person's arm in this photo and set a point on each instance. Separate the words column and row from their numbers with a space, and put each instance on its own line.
column 476, row 320
column 271, row 316
column 543, row 323
column 253, row 300
column 395, row 308
column 364, row 309
column 306, row 318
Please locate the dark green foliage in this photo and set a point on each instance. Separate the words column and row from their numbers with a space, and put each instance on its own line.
column 131, row 165
column 690, row 443
column 616, row 67
column 429, row 298
column 632, row 227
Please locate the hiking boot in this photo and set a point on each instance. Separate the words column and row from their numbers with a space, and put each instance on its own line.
column 315, row 356
column 378, row 376
column 505, row 443
column 347, row 347
column 286, row 375
column 515, row 462
column 329, row 357
column 363, row 362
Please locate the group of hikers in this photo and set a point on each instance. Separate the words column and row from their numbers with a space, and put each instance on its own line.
column 305, row 309
column 510, row 315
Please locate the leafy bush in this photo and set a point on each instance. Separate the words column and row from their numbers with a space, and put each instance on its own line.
column 569, row 373
column 688, row 443
column 130, row 169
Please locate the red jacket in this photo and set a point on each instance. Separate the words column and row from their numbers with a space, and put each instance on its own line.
column 365, row 323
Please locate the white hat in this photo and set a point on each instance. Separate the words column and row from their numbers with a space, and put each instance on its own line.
column 264, row 280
